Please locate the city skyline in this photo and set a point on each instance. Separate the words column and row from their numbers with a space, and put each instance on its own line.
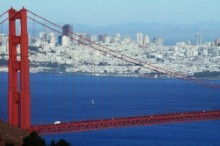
column 97, row 13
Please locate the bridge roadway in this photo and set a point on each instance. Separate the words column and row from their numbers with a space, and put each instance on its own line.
column 125, row 122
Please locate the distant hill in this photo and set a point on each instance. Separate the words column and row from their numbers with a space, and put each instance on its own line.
column 171, row 32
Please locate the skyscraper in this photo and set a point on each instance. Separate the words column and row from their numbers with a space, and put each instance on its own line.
column 198, row 39
column 146, row 40
column 158, row 41
column 101, row 37
column 94, row 38
column 67, row 30
column 217, row 42
column 140, row 38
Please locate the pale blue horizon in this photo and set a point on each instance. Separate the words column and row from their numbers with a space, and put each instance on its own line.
column 102, row 13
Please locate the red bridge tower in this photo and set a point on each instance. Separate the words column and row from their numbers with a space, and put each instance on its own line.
column 18, row 74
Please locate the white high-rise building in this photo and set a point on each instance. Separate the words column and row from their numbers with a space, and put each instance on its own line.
column 117, row 38
column 43, row 36
column 127, row 39
column 2, row 39
column 217, row 42
column 146, row 40
column 140, row 38
column 52, row 39
column 3, row 44
column 107, row 40
column 65, row 41
column 94, row 38
column 199, row 39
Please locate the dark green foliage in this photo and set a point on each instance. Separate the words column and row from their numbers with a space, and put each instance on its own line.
column 33, row 140
column 9, row 144
column 62, row 142
column 52, row 143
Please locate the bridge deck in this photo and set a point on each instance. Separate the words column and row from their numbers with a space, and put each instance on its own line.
column 125, row 122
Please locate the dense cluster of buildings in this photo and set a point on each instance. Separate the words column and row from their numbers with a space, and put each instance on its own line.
column 69, row 38
column 68, row 53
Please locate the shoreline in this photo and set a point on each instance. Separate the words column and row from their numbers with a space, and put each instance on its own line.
column 118, row 75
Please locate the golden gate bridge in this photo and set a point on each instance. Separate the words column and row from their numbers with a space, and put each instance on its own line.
column 19, row 108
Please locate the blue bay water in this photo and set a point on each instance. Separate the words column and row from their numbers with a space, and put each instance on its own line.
column 58, row 97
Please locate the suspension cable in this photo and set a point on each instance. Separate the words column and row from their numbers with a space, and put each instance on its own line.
column 126, row 58
column 115, row 53
column 137, row 61
column 4, row 13
column 3, row 21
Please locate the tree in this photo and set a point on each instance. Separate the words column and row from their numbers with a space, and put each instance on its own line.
column 33, row 140
column 52, row 143
column 62, row 142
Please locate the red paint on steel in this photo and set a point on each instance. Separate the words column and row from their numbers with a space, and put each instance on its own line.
column 19, row 88
column 125, row 122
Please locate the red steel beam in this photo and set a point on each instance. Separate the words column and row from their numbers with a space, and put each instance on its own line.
column 19, row 114
column 125, row 122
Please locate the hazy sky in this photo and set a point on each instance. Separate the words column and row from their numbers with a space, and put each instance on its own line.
column 107, row 12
